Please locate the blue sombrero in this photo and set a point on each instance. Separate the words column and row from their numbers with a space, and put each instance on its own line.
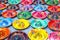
column 4, row 22
column 40, row 7
column 38, row 23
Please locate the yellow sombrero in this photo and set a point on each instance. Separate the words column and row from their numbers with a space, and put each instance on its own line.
column 21, row 24
column 38, row 34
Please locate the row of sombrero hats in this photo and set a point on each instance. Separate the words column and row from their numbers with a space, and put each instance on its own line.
column 34, row 34
column 23, row 24
column 35, row 23
column 40, row 13
column 39, row 10
column 25, row 2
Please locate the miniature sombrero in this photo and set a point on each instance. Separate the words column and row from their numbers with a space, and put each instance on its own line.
column 14, row 1
column 38, row 14
column 38, row 23
column 38, row 34
column 5, row 22
column 4, row 1
column 27, row 2
column 52, row 2
column 55, row 16
column 2, row 6
column 54, row 8
column 9, row 13
column 40, row 7
column 24, row 15
column 25, row 8
column 18, row 36
column 21, row 24
column 54, row 25
column 54, row 36
column 13, row 7
column 4, row 32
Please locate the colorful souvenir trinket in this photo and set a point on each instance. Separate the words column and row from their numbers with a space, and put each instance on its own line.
column 38, row 23
column 52, row 2
column 25, row 8
column 38, row 34
column 54, row 16
column 18, row 36
column 40, row 7
column 54, row 25
column 5, row 22
column 27, row 2
column 38, row 14
column 21, row 24
column 39, row 2
column 3, row 1
column 14, row 1
column 54, row 36
column 2, row 6
column 24, row 15
column 9, row 13
column 4, row 32
column 13, row 7
column 54, row 8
